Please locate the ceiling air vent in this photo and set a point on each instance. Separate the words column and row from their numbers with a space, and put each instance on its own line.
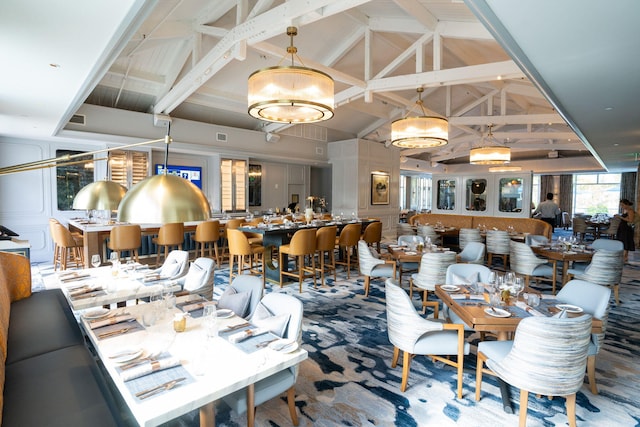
column 78, row 119
column 222, row 137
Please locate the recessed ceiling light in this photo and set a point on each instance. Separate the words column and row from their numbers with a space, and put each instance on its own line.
column 616, row 144
column 53, row 65
column 608, row 109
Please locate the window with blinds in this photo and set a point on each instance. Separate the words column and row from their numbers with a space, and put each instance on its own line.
column 233, row 182
column 128, row 167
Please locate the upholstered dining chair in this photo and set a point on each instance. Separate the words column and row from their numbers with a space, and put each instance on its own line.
column 414, row 335
column 596, row 245
column 408, row 266
column 594, row 300
column 536, row 240
column 581, row 229
column 325, row 244
column 473, row 253
column 464, row 274
column 347, row 242
column 276, row 304
column 612, row 229
column 605, row 269
column 245, row 254
column 208, row 232
column 404, row 229
column 468, row 235
column 243, row 295
column 498, row 245
column 372, row 266
column 126, row 237
column 174, row 266
column 428, row 233
column 69, row 249
column 548, row 356
column 199, row 278
column 525, row 262
column 302, row 246
column 170, row 235
column 373, row 234
column 231, row 224
column 433, row 271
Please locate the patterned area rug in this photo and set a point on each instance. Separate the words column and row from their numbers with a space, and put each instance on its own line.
column 348, row 381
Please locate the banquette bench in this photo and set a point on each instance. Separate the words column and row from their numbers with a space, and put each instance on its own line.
column 521, row 225
column 48, row 377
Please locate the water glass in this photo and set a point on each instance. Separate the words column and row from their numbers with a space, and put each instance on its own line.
column 495, row 298
column 533, row 300
column 95, row 260
column 149, row 315
column 210, row 317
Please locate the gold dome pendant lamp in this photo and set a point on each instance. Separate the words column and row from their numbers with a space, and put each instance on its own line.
column 490, row 154
column 290, row 94
column 100, row 195
column 162, row 199
column 420, row 131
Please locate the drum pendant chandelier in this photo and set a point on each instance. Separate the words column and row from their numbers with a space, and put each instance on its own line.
column 290, row 94
column 421, row 131
column 490, row 155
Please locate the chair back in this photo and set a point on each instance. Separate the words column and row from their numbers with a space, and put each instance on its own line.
column 428, row 232
column 251, row 284
column 233, row 224
column 523, row 260
column 468, row 235
column 238, row 242
column 373, row 233
column 592, row 298
column 402, row 318
column 433, row 268
column 200, row 277
column 171, row 234
column 614, row 223
column 579, row 225
column 207, row 231
column 326, row 238
column 404, row 229
column 410, row 239
column 549, row 355
column 607, row 244
column 605, row 268
column 280, row 303
column 498, row 242
column 473, row 253
column 15, row 277
column 366, row 260
column 62, row 236
column 175, row 265
column 466, row 271
column 303, row 242
column 535, row 240
column 350, row 235
column 125, row 237
column 566, row 219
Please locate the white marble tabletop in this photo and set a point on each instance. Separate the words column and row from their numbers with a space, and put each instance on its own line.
column 218, row 367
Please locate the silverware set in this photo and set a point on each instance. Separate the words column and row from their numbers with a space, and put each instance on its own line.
column 235, row 327
column 160, row 388
column 266, row 343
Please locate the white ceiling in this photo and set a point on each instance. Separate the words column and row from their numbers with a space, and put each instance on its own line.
column 191, row 59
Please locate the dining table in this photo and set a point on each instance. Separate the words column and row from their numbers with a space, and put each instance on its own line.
column 102, row 286
column 162, row 374
column 561, row 254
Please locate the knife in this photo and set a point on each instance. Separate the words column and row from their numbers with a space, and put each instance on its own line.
column 234, row 327
column 153, row 390
column 112, row 333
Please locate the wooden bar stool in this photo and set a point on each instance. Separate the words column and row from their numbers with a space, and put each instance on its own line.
column 69, row 249
column 303, row 244
column 240, row 249
column 208, row 232
column 347, row 242
column 325, row 244
column 126, row 238
column 171, row 234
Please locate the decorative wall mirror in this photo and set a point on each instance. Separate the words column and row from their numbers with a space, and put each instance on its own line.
column 476, row 194
column 446, row 194
column 510, row 197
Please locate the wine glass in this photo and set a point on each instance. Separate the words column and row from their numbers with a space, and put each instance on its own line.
column 493, row 277
column 95, row 260
column 518, row 286
column 510, row 278
column 113, row 257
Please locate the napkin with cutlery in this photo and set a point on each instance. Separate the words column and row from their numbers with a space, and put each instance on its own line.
column 69, row 277
column 532, row 311
column 248, row 333
column 149, row 367
column 84, row 290
column 196, row 305
column 99, row 323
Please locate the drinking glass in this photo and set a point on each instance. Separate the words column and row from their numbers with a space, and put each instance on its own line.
column 113, row 257
column 491, row 280
column 518, row 286
column 95, row 260
column 210, row 316
column 510, row 278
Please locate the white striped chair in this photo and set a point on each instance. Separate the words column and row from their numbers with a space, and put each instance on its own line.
column 372, row 266
column 605, row 269
column 432, row 272
column 525, row 262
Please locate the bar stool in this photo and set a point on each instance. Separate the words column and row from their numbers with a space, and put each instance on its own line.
column 325, row 243
column 171, row 234
column 303, row 243
column 126, row 238
column 231, row 224
column 373, row 234
column 239, row 248
column 208, row 232
column 68, row 248
column 347, row 242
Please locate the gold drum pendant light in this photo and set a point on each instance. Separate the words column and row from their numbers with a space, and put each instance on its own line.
column 290, row 94
column 491, row 154
column 420, row 131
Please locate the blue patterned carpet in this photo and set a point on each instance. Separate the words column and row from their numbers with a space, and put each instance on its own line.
column 347, row 379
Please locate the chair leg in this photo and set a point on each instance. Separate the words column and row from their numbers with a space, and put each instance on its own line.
column 280, row 264
column 406, row 363
column 591, row 373
column 571, row 409
column 481, row 358
column 396, row 355
column 300, row 263
column 291, row 401
column 524, row 403
column 616, row 293
column 367, row 281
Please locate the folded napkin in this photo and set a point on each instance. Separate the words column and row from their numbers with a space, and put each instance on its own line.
column 99, row 323
column 458, row 296
column 243, row 335
column 73, row 276
column 149, row 367
column 151, row 278
column 84, row 290
column 195, row 306
column 532, row 311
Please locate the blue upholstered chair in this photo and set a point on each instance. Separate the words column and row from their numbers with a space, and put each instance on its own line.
column 403, row 266
column 536, row 240
column 414, row 335
column 607, row 245
column 463, row 274
column 548, row 357
column 199, row 278
column 473, row 253
column 372, row 266
column 243, row 283
column 594, row 300
column 605, row 269
column 175, row 265
column 285, row 380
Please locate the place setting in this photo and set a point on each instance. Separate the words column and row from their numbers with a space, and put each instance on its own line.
column 107, row 323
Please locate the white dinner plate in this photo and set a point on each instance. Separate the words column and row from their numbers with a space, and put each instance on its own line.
column 126, row 355
column 497, row 312
column 411, row 253
column 284, row 345
column 450, row 288
column 394, row 246
column 569, row 308
column 96, row 314
column 224, row 313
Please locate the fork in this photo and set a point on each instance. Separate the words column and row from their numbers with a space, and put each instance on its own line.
column 162, row 387
column 134, row 363
column 266, row 343
column 113, row 333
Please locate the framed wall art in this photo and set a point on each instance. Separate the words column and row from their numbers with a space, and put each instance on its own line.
column 379, row 189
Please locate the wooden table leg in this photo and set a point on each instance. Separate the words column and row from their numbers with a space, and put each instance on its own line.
column 207, row 415
column 251, row 407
